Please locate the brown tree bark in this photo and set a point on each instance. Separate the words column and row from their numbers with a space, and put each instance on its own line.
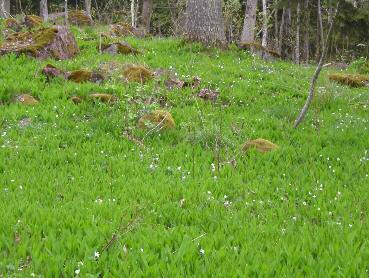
column 248, row 32
column 147, row 8
column 281, row 31
column 44, row 12
column 4, row 8
column 204, row 22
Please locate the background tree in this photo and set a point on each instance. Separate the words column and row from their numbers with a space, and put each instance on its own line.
column 204, row 22
column 88, row 8
column 147, row 8
column 44, row 12
column 4, row 8
column 248, row 32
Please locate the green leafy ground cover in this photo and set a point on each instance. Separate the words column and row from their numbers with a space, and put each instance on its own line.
column 78, row 197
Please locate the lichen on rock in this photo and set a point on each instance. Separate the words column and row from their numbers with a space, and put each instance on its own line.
column 118, row 48
column 81, row 76
column 135, row 73
column 123, row 29
column 158, row 120
column 54, row 42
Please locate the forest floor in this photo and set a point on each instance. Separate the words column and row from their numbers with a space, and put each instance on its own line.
column 84, row 191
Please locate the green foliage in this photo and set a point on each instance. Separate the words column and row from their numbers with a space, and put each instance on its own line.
column 78, row 193
column 360, row 66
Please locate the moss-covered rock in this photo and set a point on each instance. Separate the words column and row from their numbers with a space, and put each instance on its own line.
column 123, row 29
column 51, row 71
column 25, row 99
column 261, row 145
column 106, row 98
column 81, row 76
column 55, row 42
column 352, row 80
column 158, row 120
column 11, row 23
column 32, row 21
column 260, row 50
column 79, row 17
column 118, row 48
column 135, row 73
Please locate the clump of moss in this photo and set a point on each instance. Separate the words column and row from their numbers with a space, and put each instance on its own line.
column 123, row 29
column 352, row 80
column 32, row 21
column 25, row 99
column 81, row 76
column 259, row 49
column 106, row 98
column 118, row 48
column 79, row 17
column 158, row 119
column 139, row 74
column 261, row 145
column 28, row 43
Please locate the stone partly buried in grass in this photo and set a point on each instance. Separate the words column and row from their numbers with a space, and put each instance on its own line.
column 261, row 145
column 352, row 80
column 140, row 74
column 118, row 48
column 157, row 120
column 79, row 17
column 55, row 42
column 25, row 99
column 124, row 29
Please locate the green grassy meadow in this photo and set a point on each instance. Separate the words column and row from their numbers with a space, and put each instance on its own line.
column 78, row 197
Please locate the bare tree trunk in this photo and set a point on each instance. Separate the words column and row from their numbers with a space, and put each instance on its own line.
column 147, row 8
column 66, row 11
column 307, row 37
column 248, row 32
column 88, row 8
column 205, row 23
column 276, row 28
column 4, row 8
column 314, row 79
column 44, row 12
column 133, row 13
column 297, row 47
column 281, row 29
column 264, row 41
column 320, row 21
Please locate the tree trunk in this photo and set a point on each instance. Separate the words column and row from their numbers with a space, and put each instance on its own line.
column 44, row 13
column 204, row 22
column 133, row 13
column 88, row 8
column 281, row 30
column 307, row 37
column 264, row 41
column 248, row 32
column 297, row 47
column 147, row 8
column 4, row 8
column 66, row 12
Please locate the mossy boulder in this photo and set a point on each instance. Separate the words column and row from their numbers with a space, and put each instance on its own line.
column 25, row 99
column 158, row 120
column 261, row 51
column 135, row 73
column 123, row 29
column 51, row 71
column 55, row 42
column 32, row 21
column 261, row 145
column 81, row 76
column 352, row 80
column 105, row 98
column 118, row 48
column 80, row 18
